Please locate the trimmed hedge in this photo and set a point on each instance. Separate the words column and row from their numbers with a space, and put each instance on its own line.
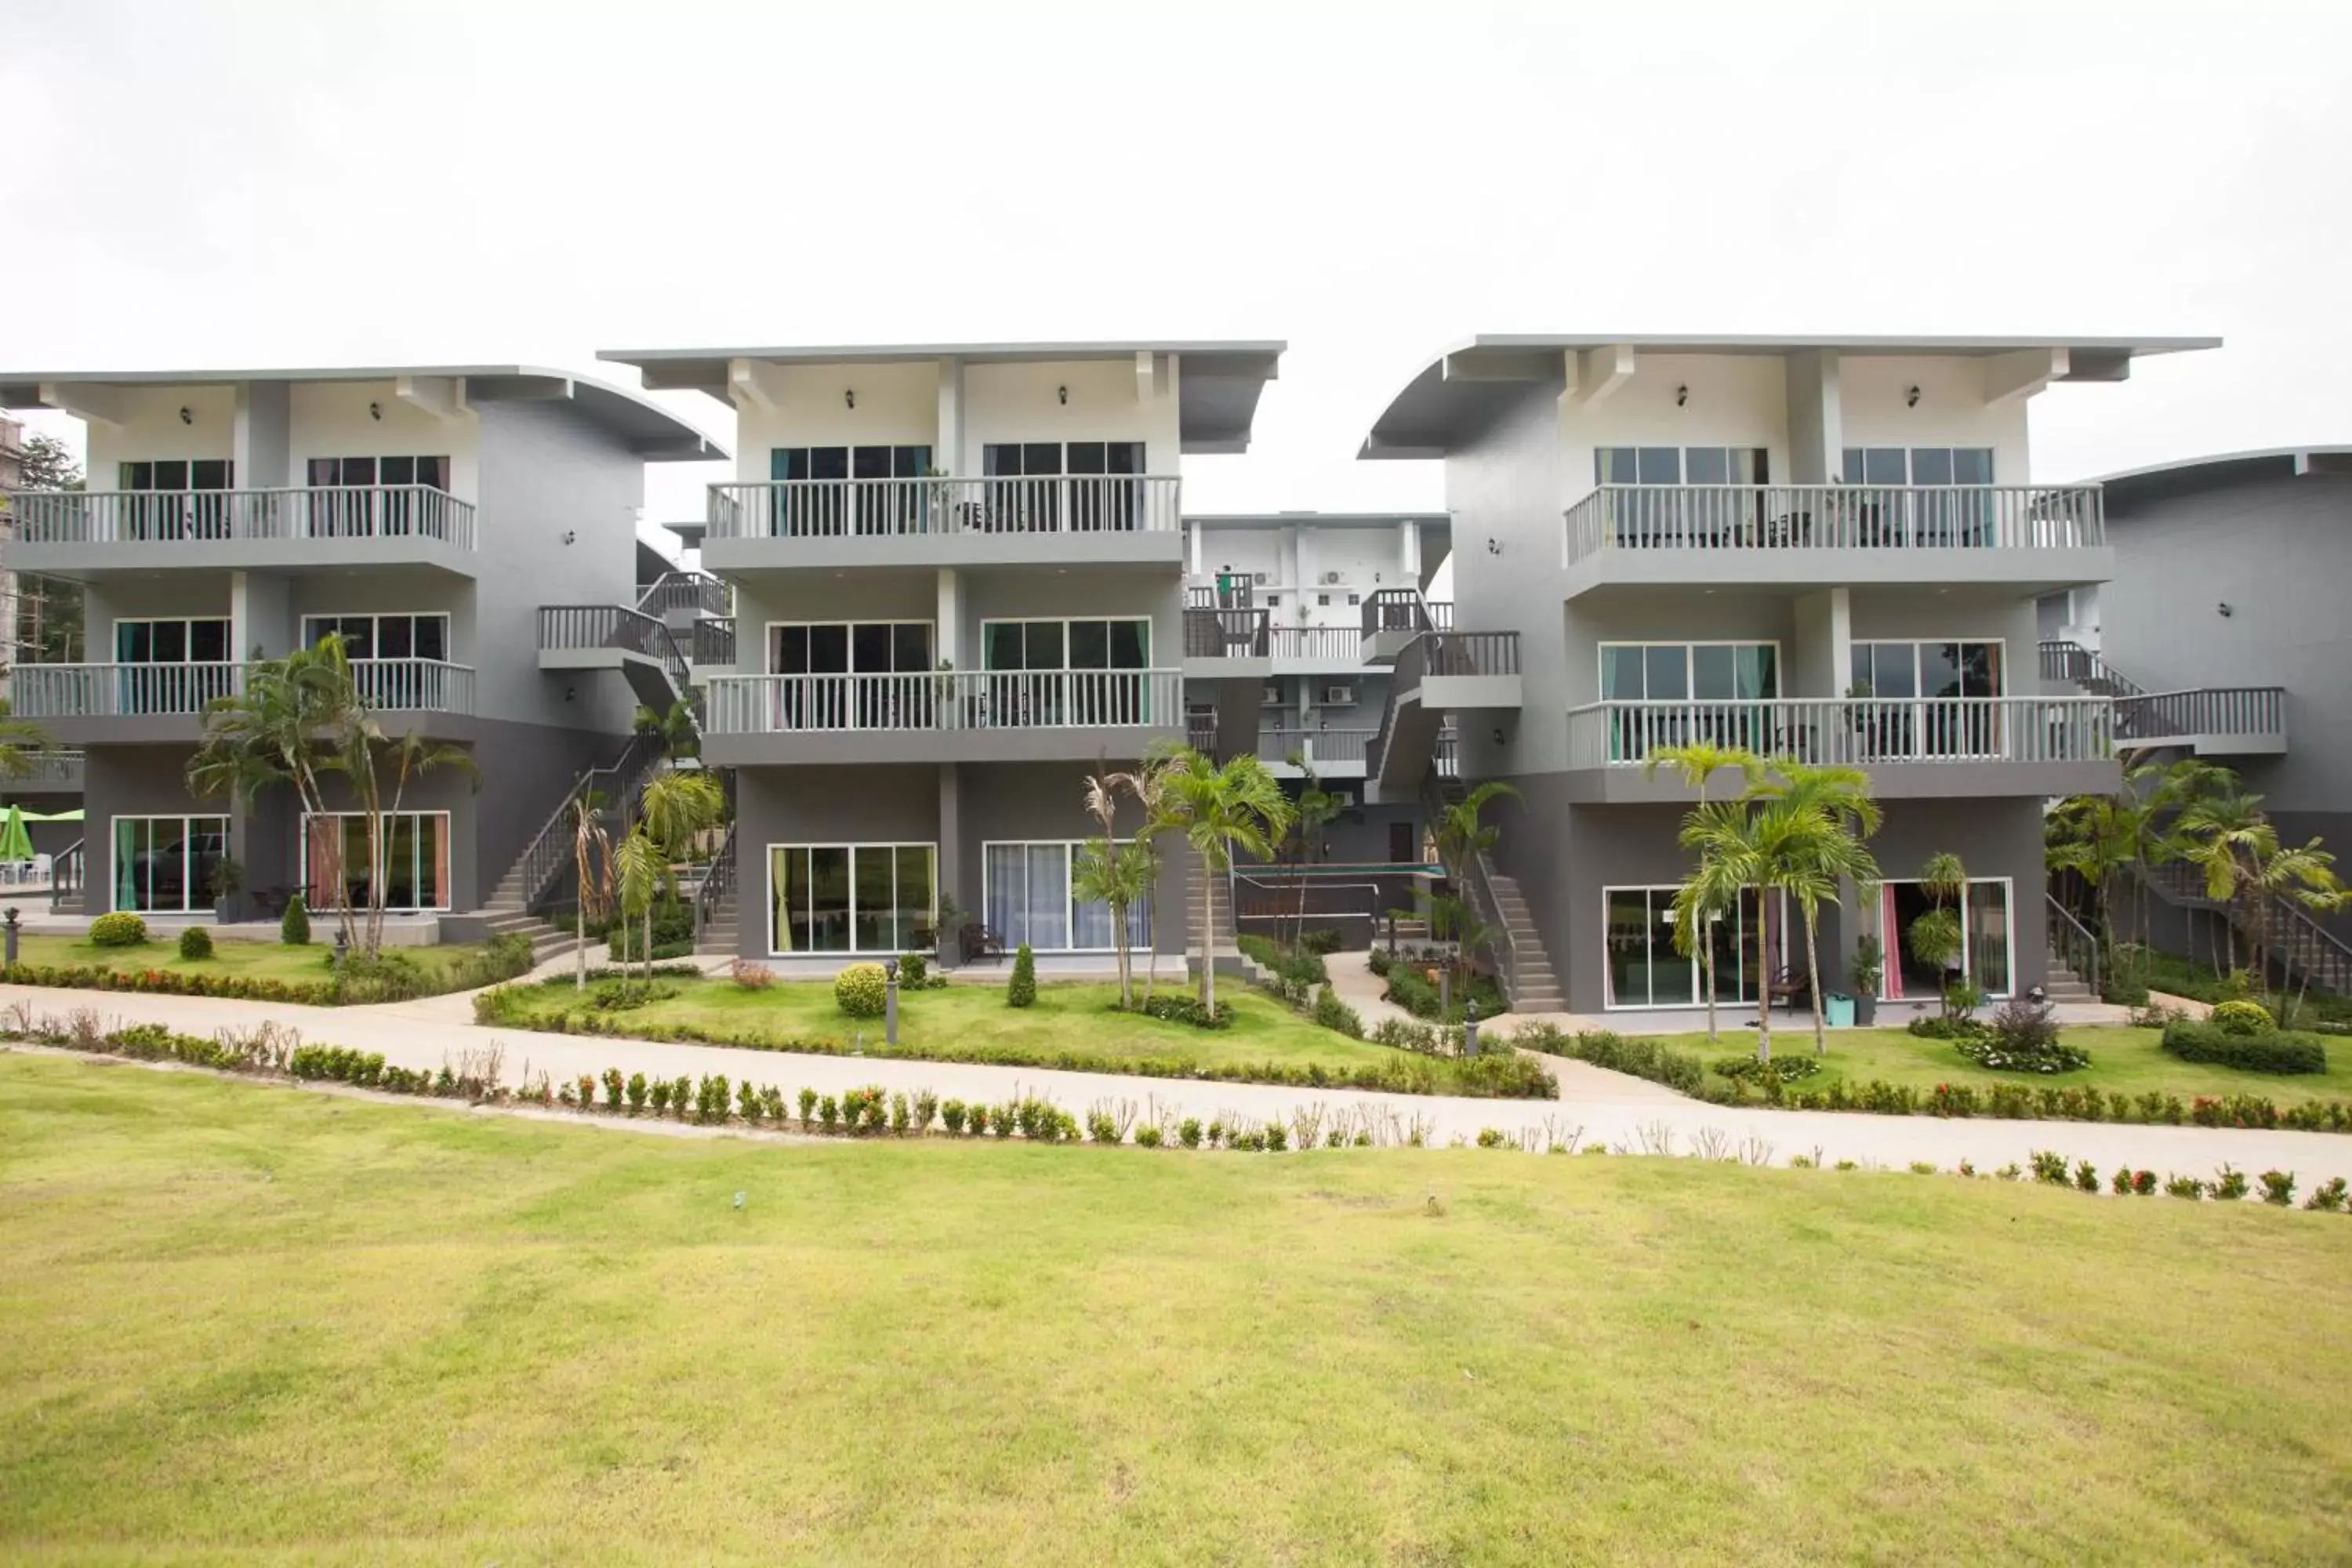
column 120, row 929
column 2276, row 1052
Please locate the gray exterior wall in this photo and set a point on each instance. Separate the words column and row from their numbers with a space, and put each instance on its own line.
column 1564, row 856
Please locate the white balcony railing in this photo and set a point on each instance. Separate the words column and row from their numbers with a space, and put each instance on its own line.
column 167, row 517
column 948, row 700
column 120, row 691
column 1860, row 732
column 144, row 691
column 1319, row 747
column 1835, row 517
column 414, row 685
column 861, row 509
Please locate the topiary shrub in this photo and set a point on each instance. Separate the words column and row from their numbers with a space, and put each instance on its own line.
column 1021, row 991
column 2242, row 1018
column 859, row 990
column 294, row 927
column 195, row 942
column 120, row 929
column 2276, row 1052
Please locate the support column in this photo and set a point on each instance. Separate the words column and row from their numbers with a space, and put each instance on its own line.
column 948, row 456
column 950, row 870
column 1408, row 552
column 949, row 630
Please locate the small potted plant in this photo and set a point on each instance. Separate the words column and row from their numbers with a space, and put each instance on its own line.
column 1869, row 966
column 227, row 880
column 947, row 937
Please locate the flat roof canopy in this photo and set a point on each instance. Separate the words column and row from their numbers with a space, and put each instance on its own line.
column 1465, row 385
column 2134, row 485
column 1271, row 520
column 1218, row 393
column 649, row 430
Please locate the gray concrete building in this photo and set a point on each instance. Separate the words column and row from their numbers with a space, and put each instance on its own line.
column 958, row 576
column 469, row 531
column 1824, row 548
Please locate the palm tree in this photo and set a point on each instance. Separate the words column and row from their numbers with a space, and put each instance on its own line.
column 1317, row 808
column 20, row 741
column 1148, row 783
column 1698, row 763
column 1737, row 847
column 1936, row 937
column 639, row 870
column 592, row 857
column 1120, row 875
column 2218, row 834
column 1829, row 812
column 673, row 807
column 1709, row 888
column 409, row 758
column 1461, row 836
column 288, row 724
column 674, row 731
column 1220, row 810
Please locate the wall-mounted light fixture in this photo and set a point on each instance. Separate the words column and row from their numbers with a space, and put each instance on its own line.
column 375, row 411
column 2224, row 608
column 1910, row 397
column 570, row 693
column 849, row 397
column 1494, row 545
column 1064, row 393
column 186, row 417
column 1498, row 734
column 1682, row 396
column 571, row 536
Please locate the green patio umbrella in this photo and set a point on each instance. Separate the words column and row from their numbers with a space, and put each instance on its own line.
column 16, row 844
column 73, row 816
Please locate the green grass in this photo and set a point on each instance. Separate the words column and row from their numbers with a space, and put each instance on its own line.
column 1068, row 1017
column 250, row 1323
column 253, row 960
column 2123, row 1061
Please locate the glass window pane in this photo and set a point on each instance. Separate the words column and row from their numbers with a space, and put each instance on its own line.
column 787, row 900
column 396, row 637
column 909, row 462
column 1621, row 674
column 1972, row 466
column 1661, row 465
column 1130, row 645
column 910, row 647
column 1749, row 466
column 1851, row 469
column 1712, row 678
column 828, row 650
column 1667, row 673
column 1041, row 458
column 396, row 470
column 1086, row 457
column 1673, row 978
column 1001, row 649
column 1629, row 947
column 1127, row 457
column 171, row 476
column 1615, row 465
column 869, row 649
column 432, row 635
column 1004, row 884
column 170, row 642
column 1042, row 643
column 1089, row 645
column 870, row 463
column 1988, row 927
column 828, row 899
column 1049, row 895
column 1931, row 464
column 874, row 930
column 1884, row 465
column 1707, row 466
column 1000, row 458
column 1760, row 671
column 208, row 641
column 1939, row 669
column 828, row 462
column 916, row 891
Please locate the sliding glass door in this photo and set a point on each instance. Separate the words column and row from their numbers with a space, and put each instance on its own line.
column 1904, row 681
column 1985, row 942
column 1713, row 681
column 1646, row 971
column 1026, row 896
column 851, row 898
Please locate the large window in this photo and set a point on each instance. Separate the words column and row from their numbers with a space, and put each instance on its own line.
column 1714, row 681
column 1917, row 465
column 175, row 665
column 1068, row 672
column 851, row 898
column 405, row 635
column 1680, row 465
column 413, row 858
column 365, row 510
column 1646, row 970
column 827, row 511
column 1097, row 499
column 1026, row 894
column 179, row 497
column 1985, row 945
column 1898, row 677
column 165, row 863
column 900, row 650
column 1954, row 512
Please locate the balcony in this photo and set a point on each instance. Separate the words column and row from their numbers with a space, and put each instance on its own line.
column 1074, row 520
column 1332, row 753
column 2205, row 720
column 614, row 636
column 162, row 704
column 55, row 772
column 92, row 532
column 714, row 643
column 1939, row 747
column 1393, row 617
column 950, row 716
column 2032, row 538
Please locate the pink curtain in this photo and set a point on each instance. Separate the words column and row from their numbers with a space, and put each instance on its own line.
column 1890, row 986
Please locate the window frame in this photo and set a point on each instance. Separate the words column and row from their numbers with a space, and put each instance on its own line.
column 1065, row 623
column 1659, row 908
column 188, row 625
column 376, row 619
column 849, row 848
column 1140, row 913
column 188, row 889
column 1689, row 646
column 448, row 846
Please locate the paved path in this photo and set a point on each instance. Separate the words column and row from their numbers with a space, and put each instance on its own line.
column 1606, row 1107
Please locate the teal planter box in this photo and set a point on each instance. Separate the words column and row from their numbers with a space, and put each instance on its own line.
column 1837, row 1010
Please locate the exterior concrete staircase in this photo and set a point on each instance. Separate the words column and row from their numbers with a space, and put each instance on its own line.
column 536, row 870
column 1528, row 981
column 715, row 923
column 1226, row 952
column 2065, row 985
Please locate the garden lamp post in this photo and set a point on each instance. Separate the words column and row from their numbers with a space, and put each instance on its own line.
column 1470, row 1027
column 12, row 936
column 890, row 1000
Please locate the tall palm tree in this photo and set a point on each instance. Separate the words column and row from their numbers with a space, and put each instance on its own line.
column 1120, row 875
column 1698, row 763
column 1462, row 837
column 2219, row 834
column 409, row 759
column 1148, row 783
column 20, row 741
column 592, row 857
column 674, row 731
column 672, row 808
column 1738, row 846
column 1238, row 807
column 289, row 724
column 1827, row 811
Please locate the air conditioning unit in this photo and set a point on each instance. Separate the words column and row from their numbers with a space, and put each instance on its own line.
column 1260, row 579
column 1339, row 696
column 1273, row 697
column 1330, row 577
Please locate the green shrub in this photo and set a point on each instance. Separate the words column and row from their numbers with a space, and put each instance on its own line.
column 673, row 933
column 914, row 971
column 120, row 929
column 2275, row 1052
column 1148, row 1136
column 1323, row 940
column 860, row 990
column 294, row 926
column 1175, row 1007
column 808, row 1107
column 1188, row 1133
column 1618, row 1053
column 951, row 1118
column 1021, row 991
column 195, row 942
column 2242, row 1018
column 1336, row 1015
column 2022, row 1037
column 1778, row 1071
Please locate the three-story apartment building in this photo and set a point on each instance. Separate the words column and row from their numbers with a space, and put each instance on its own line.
column 1829, row 549
column 469, row 531
column 958, row 578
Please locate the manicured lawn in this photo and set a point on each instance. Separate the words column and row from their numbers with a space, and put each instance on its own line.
column 257, row 960
column 250, row 1323
column 974, row 1019
column 2123, row 1061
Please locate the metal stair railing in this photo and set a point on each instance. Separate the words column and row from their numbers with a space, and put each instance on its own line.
column 718, row 883
column 2063, row 659
column 551, row 846
column 69, row 873
column 1480, row 894
column 2073, row 945
column 2290, row 936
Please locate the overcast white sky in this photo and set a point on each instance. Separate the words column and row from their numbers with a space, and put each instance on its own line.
column 339, row 181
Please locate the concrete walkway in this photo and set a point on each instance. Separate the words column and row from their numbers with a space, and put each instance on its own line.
column 1600, row 1106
